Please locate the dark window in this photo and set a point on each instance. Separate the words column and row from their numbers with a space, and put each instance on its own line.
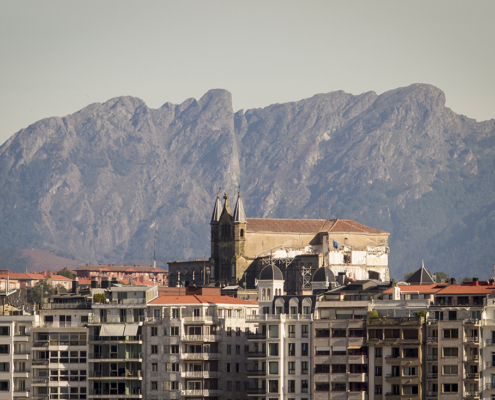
column 450, row 388
column 292, row 349
column 304, row 349
column 4, row 386
column 292, row 386
column 338, row 369
column 322, row 333
column 273, row 386
column 4, row 331
column 452, row 315
column 4, row 349
column 339, row 333
column 338, row 386
column 451, row 333
column 322, row 387
column 322, row 368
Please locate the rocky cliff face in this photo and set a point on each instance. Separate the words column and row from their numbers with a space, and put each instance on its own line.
column 100, row 182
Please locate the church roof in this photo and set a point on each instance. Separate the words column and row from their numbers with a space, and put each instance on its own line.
column 217, row 211
column 322, row 273
column 239, row 214
column 420, row 277
column 271, row 273
column 307, row 225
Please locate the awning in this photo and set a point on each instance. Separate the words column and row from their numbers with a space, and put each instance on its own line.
column 339, row 348
column 131, row 330
column 321, row 348
column 354, row 347
column 112, row 330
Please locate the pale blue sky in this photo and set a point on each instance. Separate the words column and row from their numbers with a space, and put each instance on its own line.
column 56, row 57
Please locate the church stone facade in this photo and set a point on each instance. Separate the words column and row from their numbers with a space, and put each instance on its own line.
column 241, row 247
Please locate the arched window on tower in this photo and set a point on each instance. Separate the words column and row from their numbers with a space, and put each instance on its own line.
column 263, row 295
column 242, row 232
column 268, row 294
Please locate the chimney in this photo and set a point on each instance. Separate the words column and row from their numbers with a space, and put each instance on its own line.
column 452, row 281
column 492, row 282
column 396, row 293
column 94, row 282
column 75, row 284
column 104, row 282
column 475, row 282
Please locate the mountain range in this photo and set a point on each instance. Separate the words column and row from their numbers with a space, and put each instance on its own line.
column 99, row 184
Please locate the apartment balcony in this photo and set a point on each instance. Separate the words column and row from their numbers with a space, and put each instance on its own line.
column 432, row 394
column 116, row 319
column 472, row 358
column 256, row 373
column 390, row 378
column 201, row 356
column 472, row 375
column 490, row 386
column 471, row 394
column 490, row 364
column 201, row 320
column 39, row 363
column 358, row 359
column 264, row 317
column 490, row 342
column 98, row 357
column 114, row 393
column 201, row 374
column 122, row 303
column 66, row 306
column 114, row 375
column 200, row 338
column 357, row 377
column 40, row 345
column 128, row 339
column 432, row 339
column 431, row 375
column 433, row 358
column 22, row 337
column 471, row 321
column 432, row 321
column 256, row 391
column 22, row 392
column 21, row 374
column 59, row 324
column 256, row 354
column 21, row 354
column 256, row 336
column 39, row 381
column 201, row 392
column 474, row 340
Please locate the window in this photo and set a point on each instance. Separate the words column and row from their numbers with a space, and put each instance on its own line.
column 154, row 367
column 273, row 386
column 238, row 386
column 410, row 353
column 174, row 385
column 304, row 367
column 237, row 367
column 339, row 333
column 378, row 389
column 196, row 312
column 4, row 386
column 338, row 368
column 273, row 331
column 378, row 352
column 154, row 385
column 292, row 349
column 237, row 349
column 410, row 371
column 5, row 367
column 322, row 333
column 450, row 352
column 322, row 368
column 293, row 310
column 4, row 331
column 174, row 331
column 154, row 349
column 229, row 386
column 450, row 388
column 229, row 349
column 306, row 310
column 238, row 331
column 338, row 386
column 412, row 389
column 452, row 315
column 291, row 367
column 322, row 387
column 229, row 331
column 292, row 386
column 228, row 367
column 304, row 386
column 4, row 349
column 273, row 347
column 378, row 371
column 292, row 331
column 450, row 369
column 174, row 349
column 273, row 367
column 451, row 333
column 304, row 330
column 304, row 349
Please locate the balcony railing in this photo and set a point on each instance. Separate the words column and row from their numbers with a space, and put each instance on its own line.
column 114, row 374
column 114, row 392
column 471, row 394
column 200, row 356
column 431, row 375
column 256, row 336
column 200, row 374
column 137, row 338
column 432, row 339
column 472, row 358
column 65, row 306
column 116, row 319
column 430, row 357
column 22, row 351
column 472, row 375
column 127, row 356
column 40, row 380
column 256, row 372
column 41, row 344
column 201, row 392
column 490, row 386
column 472, row 339
column 59, row 324
column 200, row 338
column 39, row 362
column 260, row 391
column 490, row 364
column 431, row 394
column 432, row 321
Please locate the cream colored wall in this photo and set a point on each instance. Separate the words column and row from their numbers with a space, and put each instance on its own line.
column 358, row 239
column 258, row 242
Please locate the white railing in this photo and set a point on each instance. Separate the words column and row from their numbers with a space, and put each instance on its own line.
column 200, row 338
column 200, row 356
column 201, row 392
column 200, row 374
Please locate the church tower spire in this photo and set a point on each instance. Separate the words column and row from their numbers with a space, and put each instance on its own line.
column 239, row 214
column 226, row 206
column 217, row 211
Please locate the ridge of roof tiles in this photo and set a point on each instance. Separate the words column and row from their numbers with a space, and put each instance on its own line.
column 434, row 288
column 307, row 225
column 200, row 299
column 120, row 268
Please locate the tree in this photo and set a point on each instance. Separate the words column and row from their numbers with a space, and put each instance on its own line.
column 442, row 276
column 420, row 313
column 42, row 290
column 66, row 273
column 372, row 314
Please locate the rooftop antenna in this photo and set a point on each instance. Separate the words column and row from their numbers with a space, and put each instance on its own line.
column 319, row 211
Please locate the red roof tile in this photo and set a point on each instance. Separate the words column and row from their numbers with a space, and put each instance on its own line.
column 416, row 289
column 198, row 299
column 463, row 289
column 307, row 225
column 120, row 268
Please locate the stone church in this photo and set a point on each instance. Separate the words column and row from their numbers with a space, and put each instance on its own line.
column 241, row 247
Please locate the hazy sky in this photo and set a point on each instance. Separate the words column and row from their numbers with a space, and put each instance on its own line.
column 56, row 57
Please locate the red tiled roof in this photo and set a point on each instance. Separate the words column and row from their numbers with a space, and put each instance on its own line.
column 198, row 299
column 120, row 268
column 28, row 276
column 463, row 289
column 416, row 289
column 307, row 225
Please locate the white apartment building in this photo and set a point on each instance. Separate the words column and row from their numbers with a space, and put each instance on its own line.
column 196, row 346
column 15, row 362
